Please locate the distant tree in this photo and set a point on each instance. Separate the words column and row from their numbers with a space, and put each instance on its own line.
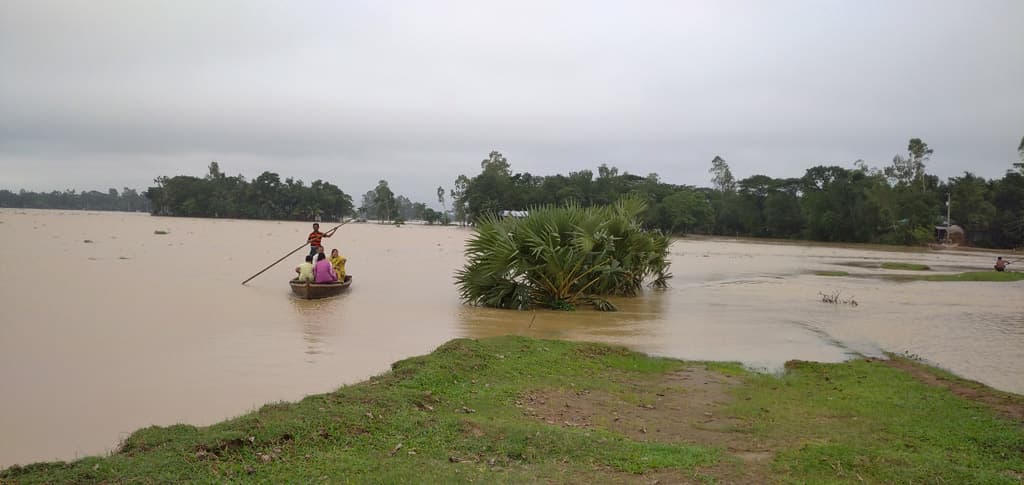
column 496, row 162
column 214, row 171
column 919, row 156
column 1020, row 154
column 970, row 205
column 458, row 195
column 384, row 199
column 431, row 216
column 685, row 209
column 725, row 207
column 1007, row 195
column 368, row 207
column 910, row 169
column 419, row 210
column 404, row 208
column 440, row 198
column 721, row 176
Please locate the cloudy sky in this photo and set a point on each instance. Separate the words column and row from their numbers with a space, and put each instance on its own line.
column 98, row 94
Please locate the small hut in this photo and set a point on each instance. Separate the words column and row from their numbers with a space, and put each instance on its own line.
column 953, row 234
column 514, row 214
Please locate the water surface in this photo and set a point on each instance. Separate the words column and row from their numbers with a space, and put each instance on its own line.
column 100, row 338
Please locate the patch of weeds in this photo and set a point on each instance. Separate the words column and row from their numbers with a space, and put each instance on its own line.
column 835, row 299
column 905, row 266
column 562, row 305
column 911, row 356
column 831, row 273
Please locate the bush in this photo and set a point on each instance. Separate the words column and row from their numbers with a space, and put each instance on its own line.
column 560, row 257
column 908, row 236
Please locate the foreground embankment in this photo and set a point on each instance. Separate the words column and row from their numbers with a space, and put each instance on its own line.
column 527, row 410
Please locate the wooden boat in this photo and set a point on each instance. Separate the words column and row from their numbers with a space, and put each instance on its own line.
column 312, row 291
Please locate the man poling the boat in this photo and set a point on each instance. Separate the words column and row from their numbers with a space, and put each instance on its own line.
column 315, row 238
column 313, row 249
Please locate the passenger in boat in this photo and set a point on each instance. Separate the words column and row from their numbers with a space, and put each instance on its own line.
column 314, row 239
column 322, row 270
column 305, row 270
column 1001, row 264
column 338, row 263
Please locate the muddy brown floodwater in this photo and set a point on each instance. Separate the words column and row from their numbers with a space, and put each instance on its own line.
column 100, row 338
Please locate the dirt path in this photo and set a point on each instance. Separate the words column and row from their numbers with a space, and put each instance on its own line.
column 677, row 407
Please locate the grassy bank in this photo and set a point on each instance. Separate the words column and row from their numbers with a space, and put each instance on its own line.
column 514, row 409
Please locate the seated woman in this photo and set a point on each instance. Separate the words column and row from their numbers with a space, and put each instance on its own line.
column 338, row 263
column 322, row 270
column 305, row 270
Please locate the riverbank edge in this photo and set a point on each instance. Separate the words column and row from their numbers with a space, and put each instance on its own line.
column 525, row 410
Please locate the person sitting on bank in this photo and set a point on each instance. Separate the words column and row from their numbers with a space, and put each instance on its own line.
column 322, row 270
column 1001, row 264
column 314, row 239
column 338, row 263
column 305, row 270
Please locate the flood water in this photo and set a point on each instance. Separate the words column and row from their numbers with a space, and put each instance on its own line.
column 100, row 338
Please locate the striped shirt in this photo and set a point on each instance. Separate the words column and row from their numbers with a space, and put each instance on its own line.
column 314, row 238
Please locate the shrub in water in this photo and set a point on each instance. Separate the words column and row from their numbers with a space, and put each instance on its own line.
column 562, row 256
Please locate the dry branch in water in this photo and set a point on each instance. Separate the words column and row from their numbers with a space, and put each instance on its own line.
column 835, row 299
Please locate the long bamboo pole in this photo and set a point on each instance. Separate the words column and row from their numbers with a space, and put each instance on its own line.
column 328, row 233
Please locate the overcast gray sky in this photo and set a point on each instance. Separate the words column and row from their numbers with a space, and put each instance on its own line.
column 98, row 94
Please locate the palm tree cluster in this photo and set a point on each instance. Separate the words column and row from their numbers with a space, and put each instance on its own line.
column 562, row 256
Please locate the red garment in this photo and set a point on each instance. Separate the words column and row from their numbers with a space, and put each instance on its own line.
column 314, row 238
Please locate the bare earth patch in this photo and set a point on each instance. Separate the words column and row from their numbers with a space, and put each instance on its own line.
column 677, row 407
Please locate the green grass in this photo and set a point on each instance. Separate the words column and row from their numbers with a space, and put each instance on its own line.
column 974, row 276
column 905, row 266
column 832, row 273
column 454, row 414
column 864, row 419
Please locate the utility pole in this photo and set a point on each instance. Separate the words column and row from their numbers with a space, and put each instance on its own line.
column 949, row 199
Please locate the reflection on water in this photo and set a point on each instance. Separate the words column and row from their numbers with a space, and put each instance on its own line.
column 315, row 319
column 100, row 338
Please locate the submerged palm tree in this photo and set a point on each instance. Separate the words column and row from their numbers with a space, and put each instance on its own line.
column 559, row 257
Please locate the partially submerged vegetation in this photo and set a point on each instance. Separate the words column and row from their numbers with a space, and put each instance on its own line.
column 978, row 276
column 996, row 276
column 831, row 273
column 905, row 266
column 514, row 409
column 834, row 298
column 560, row 257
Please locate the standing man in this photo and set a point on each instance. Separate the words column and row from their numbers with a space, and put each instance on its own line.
column 314, row 240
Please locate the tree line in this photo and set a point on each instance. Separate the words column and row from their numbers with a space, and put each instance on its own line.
column 383, row 205
column 268, row 197
column 265, row 197
column 899, row 203
column 128, row 200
